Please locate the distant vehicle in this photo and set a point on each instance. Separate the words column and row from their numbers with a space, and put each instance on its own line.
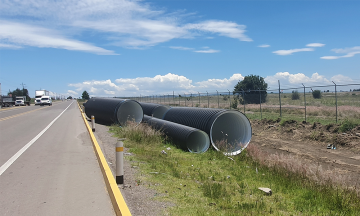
column 39, row 94
column 46, row 100
column 21, row 101
column 6, row 101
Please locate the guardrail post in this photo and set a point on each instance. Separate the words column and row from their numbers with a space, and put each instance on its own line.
column 93, row 123
column 120, row 161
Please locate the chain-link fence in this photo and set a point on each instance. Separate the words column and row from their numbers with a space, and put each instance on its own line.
column 328, row 101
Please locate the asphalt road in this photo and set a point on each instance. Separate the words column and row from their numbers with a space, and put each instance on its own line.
column 55, row 174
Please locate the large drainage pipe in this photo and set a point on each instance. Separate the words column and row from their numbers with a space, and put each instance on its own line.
column 114, row 110
column 191, row 139
column 154, row 110
column 229, row 131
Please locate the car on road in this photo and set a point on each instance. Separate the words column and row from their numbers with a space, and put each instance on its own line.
column 46, row 100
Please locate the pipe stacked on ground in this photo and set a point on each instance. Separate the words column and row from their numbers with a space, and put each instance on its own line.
column 114, row 110
column 191, row 139
column 229, row 131
column 154, row 110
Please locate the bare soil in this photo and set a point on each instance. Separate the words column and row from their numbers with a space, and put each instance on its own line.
column 309, row 142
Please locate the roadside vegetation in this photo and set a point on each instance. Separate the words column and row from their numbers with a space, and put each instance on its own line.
column 214, row 184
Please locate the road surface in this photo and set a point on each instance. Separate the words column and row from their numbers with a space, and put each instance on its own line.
column 47, row 163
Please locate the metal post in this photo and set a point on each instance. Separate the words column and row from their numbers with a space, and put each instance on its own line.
column 304, row 101
column 199, row 100
column 179, row 100
column 207, row 94
column 218, row 98
column 185, row 98
column 243, row 98
column 93, row 123
column 192, row 102
column 229, row 100
column 260, row 105
column 279, row 98
column 336, row 103
column 120, row 161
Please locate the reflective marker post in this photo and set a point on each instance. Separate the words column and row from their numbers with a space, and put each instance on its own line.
column 93, row 123
column 120, row 161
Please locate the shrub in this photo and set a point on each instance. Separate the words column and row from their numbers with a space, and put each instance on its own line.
column 347, row 125
column 295, row 95
column 234, row 103
column 316, row 94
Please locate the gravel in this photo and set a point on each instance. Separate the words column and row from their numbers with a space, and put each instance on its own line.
column 139, row 198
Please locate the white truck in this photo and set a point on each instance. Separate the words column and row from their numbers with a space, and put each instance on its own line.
column 21, row 101
column 39, row 94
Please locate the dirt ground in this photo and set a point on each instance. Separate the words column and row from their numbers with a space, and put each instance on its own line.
column 309, row 142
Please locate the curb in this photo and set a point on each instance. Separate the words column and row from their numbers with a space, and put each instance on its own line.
column 117, row 199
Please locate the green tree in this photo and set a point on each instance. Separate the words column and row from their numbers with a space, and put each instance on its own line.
column 85, row 95
column 316, row 94
column 19, row 92
column 69, row 97
column 251, row 82
column 295, row 95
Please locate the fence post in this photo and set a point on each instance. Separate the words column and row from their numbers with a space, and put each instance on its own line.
column 304, row 101
column 218, row 98
column 207, row 95
column 260, row 105
column 179, row 100
column 229, row 100
column 185, row 99
column 199, row 100
column 192, row 102
column 336, row 103
column 173, row 97
column 243, row 98
column 280, row 98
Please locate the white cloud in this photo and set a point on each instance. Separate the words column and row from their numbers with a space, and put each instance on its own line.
column 224, row 28
column 341, row 79
column 17, row 33
column 349, row 52
column 181, row 48
column 294, row 80
column 291, row 51
column 219, row 84
column 72, row 93
column 207, row 51
column 9, row 46
column 264, row 45
column 315, row 45
column 126, row 23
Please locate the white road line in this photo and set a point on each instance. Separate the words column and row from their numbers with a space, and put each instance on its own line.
column 8, row 163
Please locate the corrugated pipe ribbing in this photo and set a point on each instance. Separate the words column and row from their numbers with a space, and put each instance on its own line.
column 229, row 131
column 114, row 110
column 154, row 110
column 191, row 139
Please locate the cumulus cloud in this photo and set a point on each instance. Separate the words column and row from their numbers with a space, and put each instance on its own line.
column 264, row 46
column 349, row 52
column 219, row 84
column 291, row 51
column 28, row 35
column 126, row 23
column 315, row 45
column 294, row 80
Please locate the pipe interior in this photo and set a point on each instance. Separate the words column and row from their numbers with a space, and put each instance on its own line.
column 160, row 111
column 198, row 142
column 231, row 132
column 129, row 111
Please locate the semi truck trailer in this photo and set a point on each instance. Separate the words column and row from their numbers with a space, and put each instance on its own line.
column 39, row 94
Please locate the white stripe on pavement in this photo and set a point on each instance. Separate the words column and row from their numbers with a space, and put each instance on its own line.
column 8, row 163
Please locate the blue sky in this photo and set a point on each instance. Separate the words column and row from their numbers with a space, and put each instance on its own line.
column 128, row 48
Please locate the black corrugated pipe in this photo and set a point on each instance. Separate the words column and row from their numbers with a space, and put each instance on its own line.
column 229, row 131
column 114, row 110
column 154, row 110
column 191, row 139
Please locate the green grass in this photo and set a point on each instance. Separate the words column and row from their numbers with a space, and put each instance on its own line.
column 213, row 184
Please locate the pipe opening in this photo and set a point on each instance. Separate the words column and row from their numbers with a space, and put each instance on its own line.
column 198, row 142
column 160, row 111
column 129, row 111
column 230, row 132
